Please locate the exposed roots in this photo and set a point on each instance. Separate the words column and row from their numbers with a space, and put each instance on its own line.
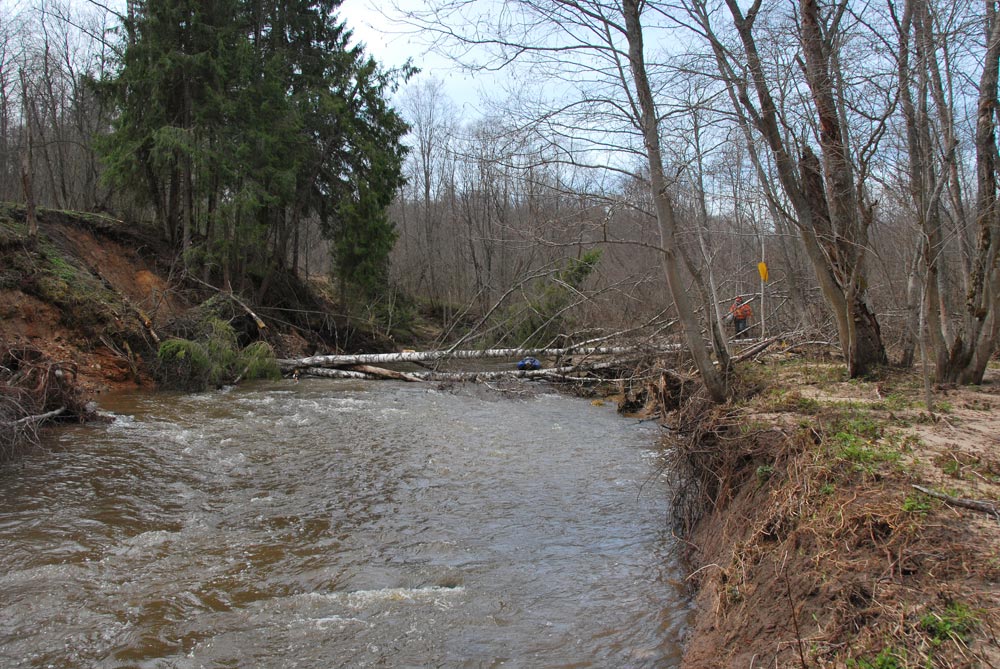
column 33, row 390
column 805, row 553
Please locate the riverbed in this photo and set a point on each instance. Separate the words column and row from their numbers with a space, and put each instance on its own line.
column 342, row 524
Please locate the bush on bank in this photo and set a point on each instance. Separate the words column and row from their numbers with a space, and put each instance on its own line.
column 213, row 360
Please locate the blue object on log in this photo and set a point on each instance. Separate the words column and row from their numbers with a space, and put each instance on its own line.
column 529, row 363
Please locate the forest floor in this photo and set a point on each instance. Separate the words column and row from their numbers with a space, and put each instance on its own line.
column 816, row 549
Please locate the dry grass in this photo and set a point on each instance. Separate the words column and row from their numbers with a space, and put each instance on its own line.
column 33, row 386
column 813, row 549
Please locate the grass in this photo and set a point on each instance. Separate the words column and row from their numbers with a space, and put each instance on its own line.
column 782, row 400
column 894, row 402
column 858, row 440
column 888, row 658
column 918, row 504
column 764, row 472
column 955, row 623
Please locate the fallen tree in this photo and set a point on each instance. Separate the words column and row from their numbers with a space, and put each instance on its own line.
column 430, row 356
column 554, row 373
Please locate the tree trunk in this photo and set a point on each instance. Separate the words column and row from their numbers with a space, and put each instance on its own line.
column 848, row 238
column 27, row 167
column 714, row 379
column 831, row 218
column 912, row 309
column 430, row 356
column 973, row 347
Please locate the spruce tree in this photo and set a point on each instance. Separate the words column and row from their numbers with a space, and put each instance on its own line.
column 239, row 119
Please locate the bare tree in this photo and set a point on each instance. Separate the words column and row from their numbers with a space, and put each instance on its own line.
column 432, row 121
column 961, row 348
column 833, row 210
column 593, row 54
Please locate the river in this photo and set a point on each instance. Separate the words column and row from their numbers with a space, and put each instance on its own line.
column 341, row 524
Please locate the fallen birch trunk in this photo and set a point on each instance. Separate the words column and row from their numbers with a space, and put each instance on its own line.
column 558, row 373
column 383, row 373
column 424, row 356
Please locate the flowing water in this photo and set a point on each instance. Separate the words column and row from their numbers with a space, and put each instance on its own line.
column 341, row 524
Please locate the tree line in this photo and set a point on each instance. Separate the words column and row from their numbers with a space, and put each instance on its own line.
column 854, row 141
column 851, row 147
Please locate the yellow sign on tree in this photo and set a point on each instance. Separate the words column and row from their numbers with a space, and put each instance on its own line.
column 762, row 268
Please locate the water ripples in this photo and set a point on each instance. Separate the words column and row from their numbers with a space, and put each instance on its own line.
column 329, row 524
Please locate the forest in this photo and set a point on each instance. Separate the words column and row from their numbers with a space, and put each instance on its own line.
column 215, row 186
column 640, row 162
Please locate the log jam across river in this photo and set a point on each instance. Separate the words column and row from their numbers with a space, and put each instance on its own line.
column 341, row 524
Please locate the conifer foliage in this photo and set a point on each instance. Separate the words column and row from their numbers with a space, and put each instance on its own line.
column 239, row 120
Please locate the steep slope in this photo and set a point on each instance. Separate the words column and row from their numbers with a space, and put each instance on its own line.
column 90, row 294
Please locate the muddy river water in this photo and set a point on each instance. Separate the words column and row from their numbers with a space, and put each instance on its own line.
column 341, row 524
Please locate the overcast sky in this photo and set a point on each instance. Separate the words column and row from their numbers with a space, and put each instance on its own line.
column 391, row 43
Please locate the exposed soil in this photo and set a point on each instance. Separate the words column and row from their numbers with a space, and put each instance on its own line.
column 98, row 295
column 818, row 552
column 89, row 296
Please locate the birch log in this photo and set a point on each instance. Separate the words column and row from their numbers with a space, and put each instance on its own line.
column 383, row 373
column 560, row 373
column 425, row 356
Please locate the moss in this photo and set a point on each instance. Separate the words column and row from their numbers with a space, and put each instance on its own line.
column 214, row 359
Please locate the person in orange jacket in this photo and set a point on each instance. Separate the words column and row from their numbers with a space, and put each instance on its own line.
column 741, row 313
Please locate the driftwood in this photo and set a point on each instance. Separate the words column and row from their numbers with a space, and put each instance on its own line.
column 974, row 504
column 425, row 356
column 383, row 373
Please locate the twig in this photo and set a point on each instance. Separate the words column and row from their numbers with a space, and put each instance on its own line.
column 974, row 504
column 795, row 621
column 39, row 418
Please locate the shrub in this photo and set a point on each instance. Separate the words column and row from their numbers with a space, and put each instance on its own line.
column 213, row 360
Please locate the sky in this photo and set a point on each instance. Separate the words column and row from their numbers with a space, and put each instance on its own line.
column 391, row 43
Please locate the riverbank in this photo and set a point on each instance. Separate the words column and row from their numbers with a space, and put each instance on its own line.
column 817, row 548
column 814, row 548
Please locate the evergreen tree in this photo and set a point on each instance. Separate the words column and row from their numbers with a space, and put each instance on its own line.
column 239, row 119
